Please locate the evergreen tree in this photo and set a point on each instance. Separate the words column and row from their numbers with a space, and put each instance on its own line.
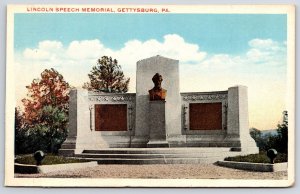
column 107, row 76
column 282, row 130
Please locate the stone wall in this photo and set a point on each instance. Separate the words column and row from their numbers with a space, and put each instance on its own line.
column 205, row 137
column 188, row 99
column 82, row 120
column 234, row 130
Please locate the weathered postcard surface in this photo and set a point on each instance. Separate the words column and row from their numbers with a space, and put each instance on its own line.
column 150, row 96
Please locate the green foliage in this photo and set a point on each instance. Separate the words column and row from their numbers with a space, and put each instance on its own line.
column 43, row 124
column 258, row 158
column 49, row 159
column 282, row 139
column 277, row 141
column 257, row 136
column 48, row 135
column 107, row 76
column 19, row 131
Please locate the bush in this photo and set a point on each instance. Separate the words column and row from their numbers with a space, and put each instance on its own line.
column 49, row 159
column 278, row 141
column 258, row 158
column 47, row 135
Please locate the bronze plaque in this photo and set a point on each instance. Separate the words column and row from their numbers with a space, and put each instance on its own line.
column 111, row 117
column 205, row 116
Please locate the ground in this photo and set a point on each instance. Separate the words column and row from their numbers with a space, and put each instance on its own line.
column 170, row 171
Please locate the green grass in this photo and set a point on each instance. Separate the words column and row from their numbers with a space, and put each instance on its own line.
column 48, row 160
column 258, row 158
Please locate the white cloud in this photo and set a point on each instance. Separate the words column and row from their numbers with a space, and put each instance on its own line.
column 263, row 56
column 199, row 71
column 47, row 50
column 221, row 61
column 50, row 45
column 262, row 43
column 36, row 54
column 76, row 59
column 267, row 51
column 86, row 49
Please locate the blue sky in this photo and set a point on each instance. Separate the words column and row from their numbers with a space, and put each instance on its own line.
column 215, row 51
column 215, row 33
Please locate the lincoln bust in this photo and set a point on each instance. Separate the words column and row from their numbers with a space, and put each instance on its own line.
column 157, row 93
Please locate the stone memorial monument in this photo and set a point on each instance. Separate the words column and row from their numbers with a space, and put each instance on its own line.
column 159, row 118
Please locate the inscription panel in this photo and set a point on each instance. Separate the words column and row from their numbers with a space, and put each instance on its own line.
column 205, row 116
column 110, row 117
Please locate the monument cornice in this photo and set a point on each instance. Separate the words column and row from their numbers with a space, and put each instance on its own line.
column 114, row 97
column 195, row 96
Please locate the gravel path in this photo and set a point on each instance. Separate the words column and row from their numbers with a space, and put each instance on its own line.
column 171, row 171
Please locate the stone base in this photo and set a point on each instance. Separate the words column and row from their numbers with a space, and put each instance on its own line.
column 258, row 167
column 157, row 125
column 68, row 147
column 157, row 155
column 157, row 144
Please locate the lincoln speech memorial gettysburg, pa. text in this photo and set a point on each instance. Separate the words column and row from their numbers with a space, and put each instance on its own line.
column 158, row 124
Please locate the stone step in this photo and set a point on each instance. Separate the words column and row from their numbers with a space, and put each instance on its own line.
column 156, row 155
column 156, row 160
column 158, row 150
column 145, row 156
column 212, row 144
column 66, row 152
column 68, row 146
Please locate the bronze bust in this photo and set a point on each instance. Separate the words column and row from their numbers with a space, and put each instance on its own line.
column 157, row 93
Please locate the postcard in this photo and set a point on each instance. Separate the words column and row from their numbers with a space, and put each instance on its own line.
column 150, row 96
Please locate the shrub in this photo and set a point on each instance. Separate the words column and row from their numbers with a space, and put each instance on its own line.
column 49, row 159
column 258, row 158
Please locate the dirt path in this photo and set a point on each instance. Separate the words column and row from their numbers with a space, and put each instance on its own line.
column 172, row 171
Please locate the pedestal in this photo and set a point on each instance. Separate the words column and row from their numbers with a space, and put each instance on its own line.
column 157, row 124
column 169, row 69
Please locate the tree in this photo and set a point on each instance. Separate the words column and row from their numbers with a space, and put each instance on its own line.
column 46, row 112
column 259, row 139
column 278, row 141
column 51, row 131
column 19, row 131
column 282, row 140
column 51, row 89
column 255, row 133
column 107, row 76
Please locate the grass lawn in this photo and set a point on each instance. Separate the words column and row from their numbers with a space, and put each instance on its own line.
column 48, row 160
column 258, row 158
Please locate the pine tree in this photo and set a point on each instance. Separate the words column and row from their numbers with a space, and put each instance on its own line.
column 107, row 76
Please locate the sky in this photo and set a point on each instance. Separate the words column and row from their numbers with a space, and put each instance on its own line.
column 215, row 51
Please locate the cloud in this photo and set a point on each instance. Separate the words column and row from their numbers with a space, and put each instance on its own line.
column 221, row 61
column 48, row 45
column 46, row 50
column 86, row 49
column 267, row 51
column 79, row 56
column 173, row 46
column 264, row 56
column 263, row 64
column 262, row 43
